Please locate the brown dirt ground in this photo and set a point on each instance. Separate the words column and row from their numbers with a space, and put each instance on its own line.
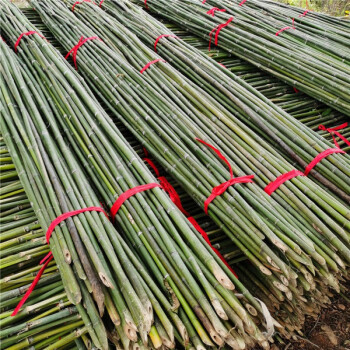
column 330, row 331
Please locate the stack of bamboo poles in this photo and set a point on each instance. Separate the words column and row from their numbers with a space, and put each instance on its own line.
column 306, row 109
column 49, row 320
column 161, row 254
column 267, row 120
column 158, row 140
column 308, row 51
column 269, row 287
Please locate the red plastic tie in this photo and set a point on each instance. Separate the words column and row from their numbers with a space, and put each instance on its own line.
column 272, row 186
column 129, row 193
column 212, row 11
column 285, row 28
column 65, row 216
column 74, row 50
column 46, row 260
column 32, row 286
column 152, row 165
column 221, row 64
column 150, row 63
column 163, row 36
column 80, row 2
column 334, row 132
column 318, row 158
column 295, row 90
column 100, row 5
column 220, row 189
column 26, row 34
column 217, row 29
column 204, row 1
column 242, row 2
column 304, row 14
column 146, row 5
column 2, row 39
column 195, row 224
column 175, row 198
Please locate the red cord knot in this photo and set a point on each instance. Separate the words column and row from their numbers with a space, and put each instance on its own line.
column 304, row 14
column 220, row 189
column 80, row 2
column 26, row 34
column 286, row 28
column 163, row 36
column 74, row 50
column 334, row 132
column 217, row 29
column 150, row 63
column 213, row 10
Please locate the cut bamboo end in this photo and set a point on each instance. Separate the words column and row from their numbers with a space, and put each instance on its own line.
column 219, row 310
column 105, row 280
column 223, row 279
column 130, row 333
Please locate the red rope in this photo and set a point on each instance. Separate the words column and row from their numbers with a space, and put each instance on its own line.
column 220, row 189
column 152, row 165
column 163, row 36
column 304, row 14
column 318, row 158
column 285, row 28
column 26, row 34
column 272, row 186
column 74, row 50
column 129, row 193
column 82, row 1
column 195, row 224
column 217, row 29
column 150, row 63
column 213, row 10
column 334, row 132
column 46, row 260
column 175, row 198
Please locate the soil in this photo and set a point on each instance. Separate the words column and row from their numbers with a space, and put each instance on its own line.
column 330, row 331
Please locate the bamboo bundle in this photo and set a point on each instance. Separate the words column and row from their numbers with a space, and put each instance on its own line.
column 308, row 51
column 307, row 110
column 271, row 122
column 265, row 257
column 48, row 314
column 151, row 225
